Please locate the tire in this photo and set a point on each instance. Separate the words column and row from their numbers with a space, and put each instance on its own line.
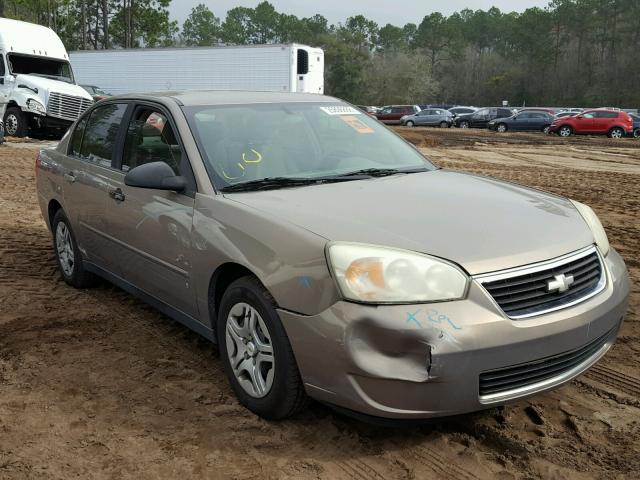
column 464, row 124
column 410, row 124
column 545, row 130
column 502, row 128
column 636, row 133
column 279, row 393
column 616, row 132
column 444, row 125
column 15, row 123
column 565, row 131
column 68, row 255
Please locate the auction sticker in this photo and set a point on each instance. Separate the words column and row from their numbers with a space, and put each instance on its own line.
column 340, row 110
column 357, row 124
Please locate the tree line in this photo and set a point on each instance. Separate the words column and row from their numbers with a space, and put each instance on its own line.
column 571, row 53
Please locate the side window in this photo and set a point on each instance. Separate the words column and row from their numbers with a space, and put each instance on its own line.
column 150, row 138
column 524, row 116
column 589, row 115
column 100, row 134
column 76, row 137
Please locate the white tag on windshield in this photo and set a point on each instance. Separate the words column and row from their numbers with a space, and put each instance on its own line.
column 340, row 110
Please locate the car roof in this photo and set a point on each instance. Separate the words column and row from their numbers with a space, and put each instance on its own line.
column 231, row 97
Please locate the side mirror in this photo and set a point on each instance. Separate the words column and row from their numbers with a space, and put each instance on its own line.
column 155, row 175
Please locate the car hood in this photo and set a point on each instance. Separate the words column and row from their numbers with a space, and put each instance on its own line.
column 49, row 85
column 480, row 223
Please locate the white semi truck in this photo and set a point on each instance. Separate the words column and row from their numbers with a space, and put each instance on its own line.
column 277, row 68
column 37, row 86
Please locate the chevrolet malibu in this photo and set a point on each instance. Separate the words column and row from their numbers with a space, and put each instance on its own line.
column 327, row 258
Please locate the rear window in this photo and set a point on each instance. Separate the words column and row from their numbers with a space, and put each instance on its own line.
column 100, row 134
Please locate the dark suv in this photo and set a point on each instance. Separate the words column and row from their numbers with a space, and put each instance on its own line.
column 393, row 113
column 482, row 117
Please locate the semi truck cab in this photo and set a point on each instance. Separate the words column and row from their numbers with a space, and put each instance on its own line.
column 37, row 86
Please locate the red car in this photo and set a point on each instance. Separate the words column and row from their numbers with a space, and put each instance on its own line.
column 615, row 124
column 393, row 113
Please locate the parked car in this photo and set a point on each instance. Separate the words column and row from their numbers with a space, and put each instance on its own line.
column 453, row 294
column 462, row 110
column 482, row 117
column 636, row 125
column 432, row 117
column 615, row 124
column 393, row 113
column 368, row 109
column 96, row 92
column 526, row 120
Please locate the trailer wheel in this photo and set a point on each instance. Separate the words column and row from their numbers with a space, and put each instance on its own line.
column 15, row 123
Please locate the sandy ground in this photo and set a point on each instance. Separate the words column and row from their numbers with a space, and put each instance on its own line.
column 94, row 384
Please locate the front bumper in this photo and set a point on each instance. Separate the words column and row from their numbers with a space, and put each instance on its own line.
column 421, row 361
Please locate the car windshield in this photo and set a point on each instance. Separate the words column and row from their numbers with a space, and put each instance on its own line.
column 248, row 143
column 43, row 67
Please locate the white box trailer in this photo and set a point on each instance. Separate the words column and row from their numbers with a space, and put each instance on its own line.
column 277, row 68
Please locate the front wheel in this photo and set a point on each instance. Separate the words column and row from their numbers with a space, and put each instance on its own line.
column 565, row 131
column 501, row 128
column 444, row 125
column 15, row 123
column 464, row 124
column 409, row 124
column 257, row 356
column 616, row 133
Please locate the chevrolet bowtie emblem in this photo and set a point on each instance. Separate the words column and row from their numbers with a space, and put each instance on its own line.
column 560, row 283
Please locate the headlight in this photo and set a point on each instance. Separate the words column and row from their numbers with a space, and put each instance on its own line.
column 371, row 274
column 36, row 106
column 599, row 235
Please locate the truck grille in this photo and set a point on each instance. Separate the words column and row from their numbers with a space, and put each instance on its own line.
column 548, row 286
column 67, row 107
column 529, row 374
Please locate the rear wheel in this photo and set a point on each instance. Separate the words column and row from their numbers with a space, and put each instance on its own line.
column 410, row 124
column 636, row 133
column 15, row 123
column 444, row 125
column 68, row 255
column 257, row 356
column 545, row 130
column 464, row 124
column 616, row 132
column 565, row 131
column 502, row 128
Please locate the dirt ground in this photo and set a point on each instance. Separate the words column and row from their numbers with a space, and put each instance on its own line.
column 94, row 384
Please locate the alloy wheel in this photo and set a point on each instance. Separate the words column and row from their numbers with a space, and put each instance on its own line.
column 565, row 132
column 250, row 350
column 64, row 247
column 502, row 128
column 617, row 133
column 464, row 124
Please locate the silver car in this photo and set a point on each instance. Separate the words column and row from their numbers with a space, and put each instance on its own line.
column 429, row 117
column 327, row 258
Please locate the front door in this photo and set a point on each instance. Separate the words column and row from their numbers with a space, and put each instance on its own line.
column 5, row 86
column 153, row 227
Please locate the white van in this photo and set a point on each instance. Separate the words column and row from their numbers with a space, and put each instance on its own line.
column 37, row 87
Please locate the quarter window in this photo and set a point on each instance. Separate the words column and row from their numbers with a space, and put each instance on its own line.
column 101, row 133
column 76, row 137
column 150, row 138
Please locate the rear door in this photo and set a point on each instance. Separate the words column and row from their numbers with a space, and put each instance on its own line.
column 603, row 121
column 88, row 179
column 153, row 227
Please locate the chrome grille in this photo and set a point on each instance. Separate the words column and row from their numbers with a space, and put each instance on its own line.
column 529, row 374
column 67, row 107
column 530, row 291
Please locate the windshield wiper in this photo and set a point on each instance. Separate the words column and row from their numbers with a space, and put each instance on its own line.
column 272, row 183
column 381, row 172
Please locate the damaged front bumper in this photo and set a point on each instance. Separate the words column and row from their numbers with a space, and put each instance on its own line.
column 421, row 361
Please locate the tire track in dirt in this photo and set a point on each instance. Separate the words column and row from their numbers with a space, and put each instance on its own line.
column 615, row 379
column 357, row 469
column 440, row 464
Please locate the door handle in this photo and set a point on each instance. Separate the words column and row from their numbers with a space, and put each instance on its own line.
column 117, row 195
column 69, row 177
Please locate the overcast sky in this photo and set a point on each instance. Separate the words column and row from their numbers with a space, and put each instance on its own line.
column 397, row 12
